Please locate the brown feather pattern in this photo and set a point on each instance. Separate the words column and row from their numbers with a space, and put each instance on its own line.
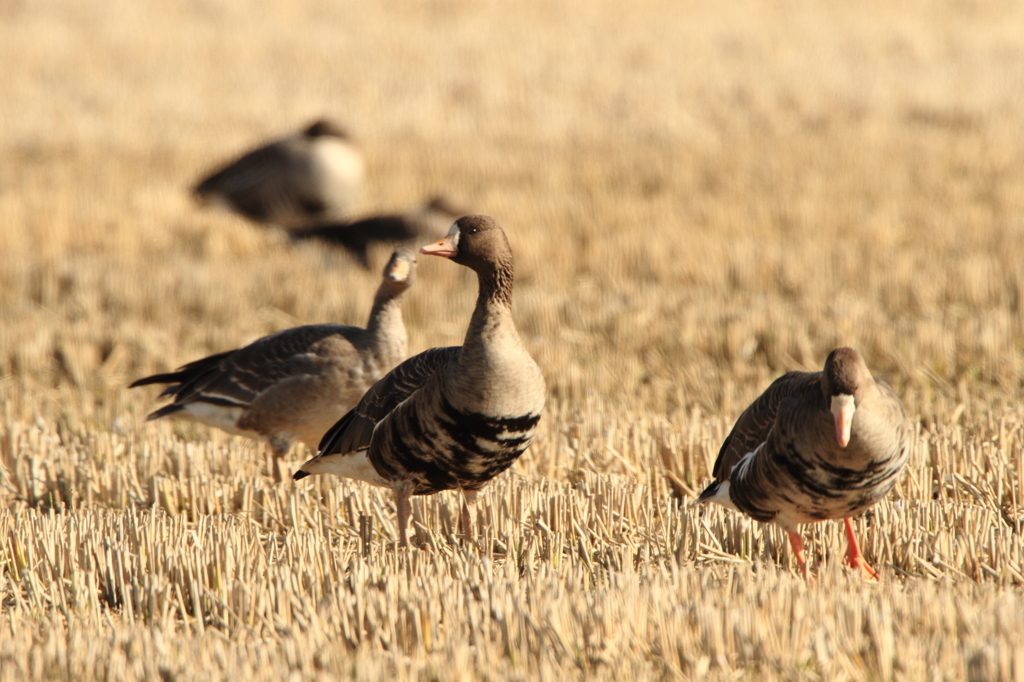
column 293, row 385
column 782, row 460
column 449, row 418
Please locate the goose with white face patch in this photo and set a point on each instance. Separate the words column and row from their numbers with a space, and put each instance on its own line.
column 313, row 176
column 449, row 418
column 295, row 384
column 815, row 446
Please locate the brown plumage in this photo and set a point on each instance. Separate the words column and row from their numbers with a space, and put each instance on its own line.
column 293, row 385
column 313, row 176
column 814, row 446
column 425, row 222
column 448, row 418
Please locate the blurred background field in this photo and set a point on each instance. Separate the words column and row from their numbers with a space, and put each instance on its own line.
column 700, row 197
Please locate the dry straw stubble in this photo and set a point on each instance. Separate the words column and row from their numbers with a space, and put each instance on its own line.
column 699, row 198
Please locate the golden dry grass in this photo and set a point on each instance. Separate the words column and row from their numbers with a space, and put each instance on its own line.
column 700, row 196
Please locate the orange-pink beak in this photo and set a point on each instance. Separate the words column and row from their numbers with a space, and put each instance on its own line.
column 843, row 408
column 442, row 247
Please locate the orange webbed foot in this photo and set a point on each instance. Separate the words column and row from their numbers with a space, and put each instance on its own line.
column 854, row 559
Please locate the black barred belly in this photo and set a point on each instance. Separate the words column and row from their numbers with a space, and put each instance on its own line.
column 453, row 449
column 813, row 488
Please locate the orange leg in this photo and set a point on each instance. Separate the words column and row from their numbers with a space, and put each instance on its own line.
column 854, row 558
column 797, row 543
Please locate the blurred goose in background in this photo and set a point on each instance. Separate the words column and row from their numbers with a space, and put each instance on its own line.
column 312, row 176
column 448, row 418
column 429, row 221
column 295, row 384
column 815, row 446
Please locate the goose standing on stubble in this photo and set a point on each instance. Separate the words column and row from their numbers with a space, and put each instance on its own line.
column 313, row 176
column 448, row 418
column 295, row 384
column 428, row 221
column 815, row 446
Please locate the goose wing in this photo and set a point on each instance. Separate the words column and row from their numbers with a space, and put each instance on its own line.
column 236, row 378
column 753, row 426
column 354, row 430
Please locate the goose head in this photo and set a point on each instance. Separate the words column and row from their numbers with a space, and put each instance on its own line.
column 843, row 384
column 477, row 242
column 325, row 128
column 400, row 270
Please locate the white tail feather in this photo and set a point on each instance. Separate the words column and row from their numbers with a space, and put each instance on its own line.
column 355, row 465
column 722, row 497
column 219, row 416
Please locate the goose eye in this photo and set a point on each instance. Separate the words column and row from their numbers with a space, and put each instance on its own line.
column 473, row 230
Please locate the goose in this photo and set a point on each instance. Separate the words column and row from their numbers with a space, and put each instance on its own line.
column 293, row 385
column 311, row 176
column 815, row 446
column 449, row 418
column 428, row 221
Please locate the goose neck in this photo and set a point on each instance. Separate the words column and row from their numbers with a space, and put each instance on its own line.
column 493, row 311
column 386, row 313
